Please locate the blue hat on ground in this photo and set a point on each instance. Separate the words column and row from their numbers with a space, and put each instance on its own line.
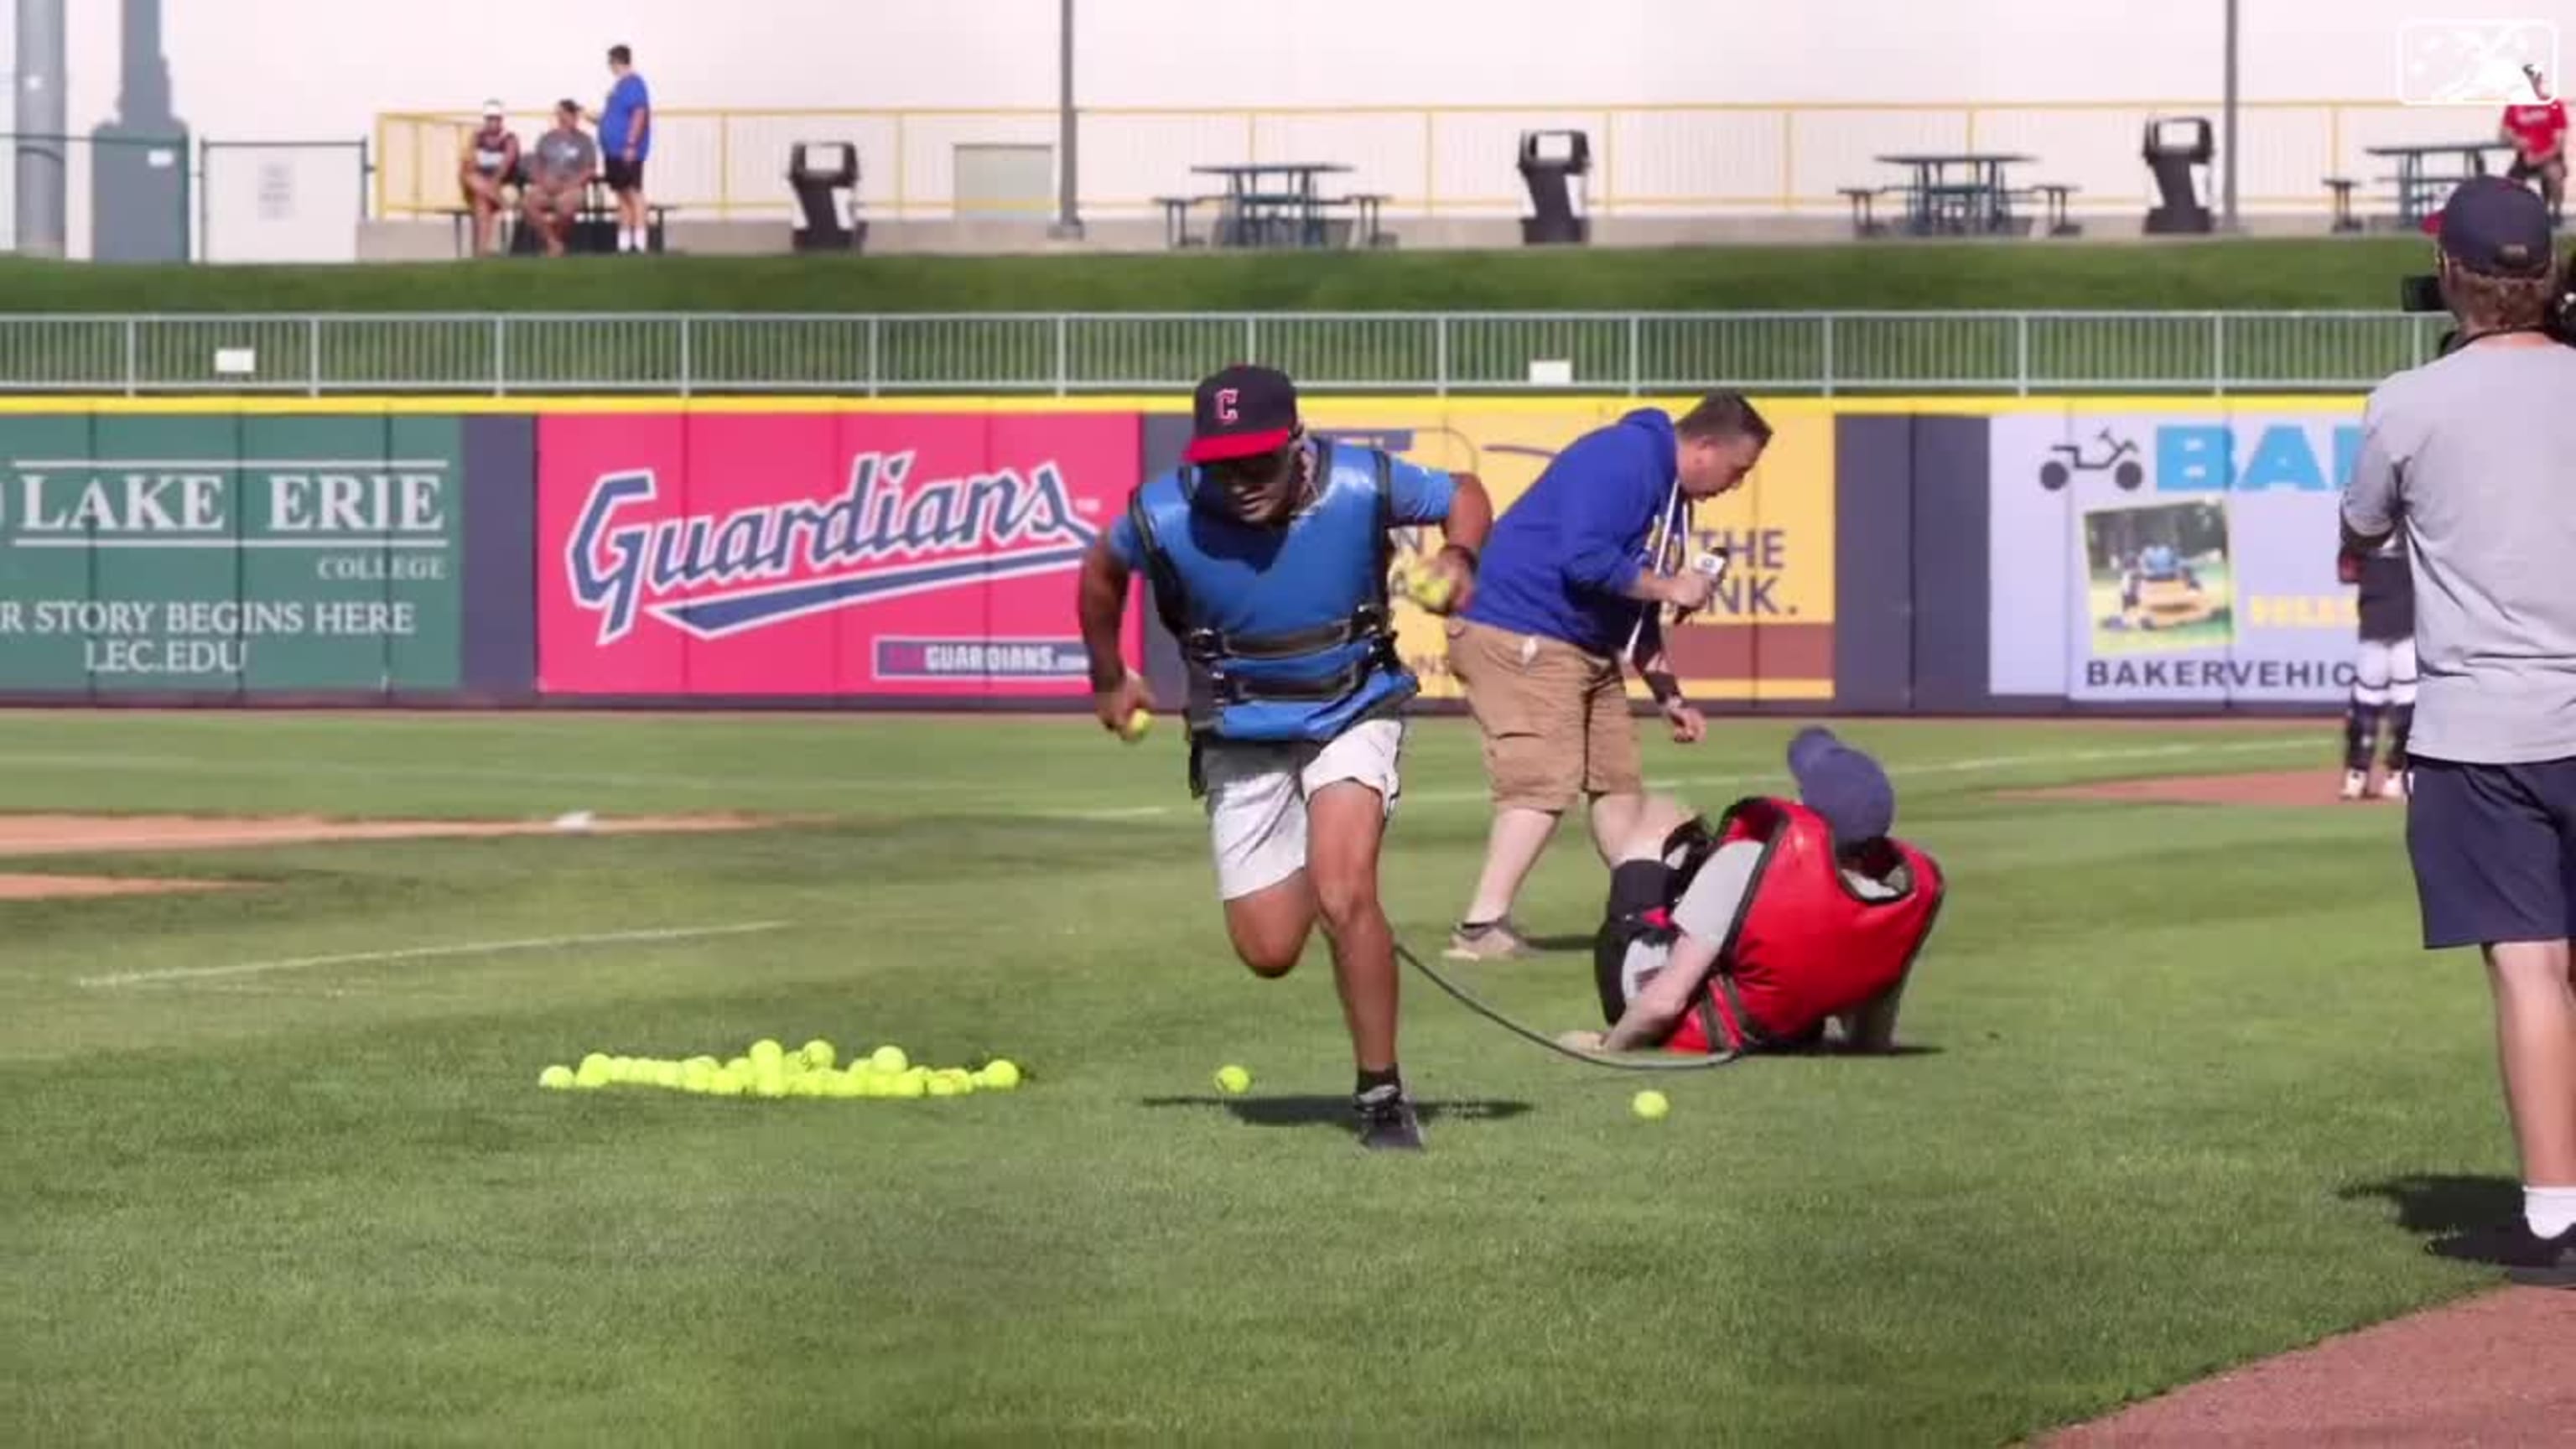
column 1846, row 788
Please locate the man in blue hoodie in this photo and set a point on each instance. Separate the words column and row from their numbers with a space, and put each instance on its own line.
column 1565, row 587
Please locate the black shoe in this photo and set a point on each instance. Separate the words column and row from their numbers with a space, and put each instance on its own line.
column 1386, row 1120
column 2526, row 1257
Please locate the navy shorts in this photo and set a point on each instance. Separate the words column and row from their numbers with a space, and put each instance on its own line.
column 2494, row 850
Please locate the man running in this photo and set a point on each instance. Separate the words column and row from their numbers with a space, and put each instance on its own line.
column 1268, row 553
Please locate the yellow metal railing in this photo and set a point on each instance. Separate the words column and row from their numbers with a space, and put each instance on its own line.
column 1679, row 160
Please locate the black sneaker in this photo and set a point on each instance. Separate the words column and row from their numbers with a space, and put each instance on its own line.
column 1386, row 1120
column 2526, row 1257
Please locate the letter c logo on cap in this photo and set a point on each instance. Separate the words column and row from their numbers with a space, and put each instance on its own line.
column 1227, row 410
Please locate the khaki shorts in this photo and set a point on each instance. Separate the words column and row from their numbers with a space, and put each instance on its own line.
column 1555, row 719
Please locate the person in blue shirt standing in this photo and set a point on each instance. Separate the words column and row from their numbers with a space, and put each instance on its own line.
column 625, row 139
column 1268, row 554
column 1570, row 584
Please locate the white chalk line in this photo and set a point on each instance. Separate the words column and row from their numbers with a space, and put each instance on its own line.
column 1976, row 765
column 424, row 953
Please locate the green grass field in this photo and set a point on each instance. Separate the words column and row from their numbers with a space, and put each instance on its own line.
column 2178, row 1074
column 2280, row 275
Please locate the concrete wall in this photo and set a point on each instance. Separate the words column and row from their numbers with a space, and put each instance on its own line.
column 349, row 61
column 1897, row 78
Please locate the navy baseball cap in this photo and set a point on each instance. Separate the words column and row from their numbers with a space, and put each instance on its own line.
column 2492, row 225
column 1846, row 788
column 1242, row 412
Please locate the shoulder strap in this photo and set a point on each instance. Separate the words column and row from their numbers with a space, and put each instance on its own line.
column 1385, row 521
column 1164, row 579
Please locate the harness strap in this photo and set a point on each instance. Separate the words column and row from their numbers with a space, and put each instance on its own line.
column 1742, row 1031
column 1209, row 644
column 1236, row 689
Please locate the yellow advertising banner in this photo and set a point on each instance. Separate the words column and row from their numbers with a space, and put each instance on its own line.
column 1770, row 633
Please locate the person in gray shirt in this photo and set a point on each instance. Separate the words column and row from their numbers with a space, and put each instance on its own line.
column 560, row 168
column 2473, row 456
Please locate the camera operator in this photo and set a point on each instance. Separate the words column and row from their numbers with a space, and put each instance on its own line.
column 2473, row 455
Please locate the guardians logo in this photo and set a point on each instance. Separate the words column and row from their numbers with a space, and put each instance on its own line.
column 882, row 537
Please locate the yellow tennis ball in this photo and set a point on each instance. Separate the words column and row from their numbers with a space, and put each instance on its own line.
column 819, row 1053
column 1137, row 723
column 889, row 1059
column 1234, row 1081
column 595, row 1072
column 555, row 1079
column 907, row 1085
column 1000, row 1074
column 739, row 1066
column 766, row 1050
column 1433, row 592
column 1650, row 1104
column 727, row 1083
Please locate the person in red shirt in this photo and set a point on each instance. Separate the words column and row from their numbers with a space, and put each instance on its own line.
column 2538, row 135
column 1784, row 926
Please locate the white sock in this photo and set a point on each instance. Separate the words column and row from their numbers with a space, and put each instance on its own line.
column 2549, row 1210
column 626, row 239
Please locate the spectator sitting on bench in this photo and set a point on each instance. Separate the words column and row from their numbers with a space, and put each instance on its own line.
column 559, row 176
column 490, row 166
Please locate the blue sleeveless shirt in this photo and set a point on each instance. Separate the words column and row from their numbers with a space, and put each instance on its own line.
column 1284, row 630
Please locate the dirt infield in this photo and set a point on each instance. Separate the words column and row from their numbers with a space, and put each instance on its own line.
column 2281, row 788
column 38, row 835
column 2493, row 1370
column 60, row 887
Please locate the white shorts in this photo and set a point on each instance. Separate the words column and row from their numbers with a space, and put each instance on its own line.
column 2384, row 672
column 1256, row 797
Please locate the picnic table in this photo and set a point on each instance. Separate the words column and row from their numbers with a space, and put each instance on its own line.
column 1271, row 203
column 1956, row 191
column 2421, row 189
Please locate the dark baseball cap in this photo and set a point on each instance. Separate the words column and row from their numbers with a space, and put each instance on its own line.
column 1242, row 412
column 2492, row 225
column 1846, row 788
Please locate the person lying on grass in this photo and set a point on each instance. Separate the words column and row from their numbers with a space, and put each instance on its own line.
column 1783, row 926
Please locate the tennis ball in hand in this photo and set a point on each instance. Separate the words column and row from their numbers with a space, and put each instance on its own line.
column 555, row 1079
column 1138, row 722
column 1433, row 591
column 1234, row 1081
column 889, row 1060
column 1650, row 1104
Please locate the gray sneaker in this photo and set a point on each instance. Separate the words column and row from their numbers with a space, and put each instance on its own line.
column 1496, row 941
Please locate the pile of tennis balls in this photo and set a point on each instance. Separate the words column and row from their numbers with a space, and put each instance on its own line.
column 768, row 1069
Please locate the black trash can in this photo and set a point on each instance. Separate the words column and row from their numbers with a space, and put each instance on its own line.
column 2173, row 147
column 818, row 171
column 1553, row 164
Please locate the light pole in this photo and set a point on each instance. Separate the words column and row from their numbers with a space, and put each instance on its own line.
column 2227, row 143
column 1068, row 201
column 44, row 180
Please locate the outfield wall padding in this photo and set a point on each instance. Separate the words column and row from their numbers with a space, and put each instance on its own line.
column 1929, row 556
